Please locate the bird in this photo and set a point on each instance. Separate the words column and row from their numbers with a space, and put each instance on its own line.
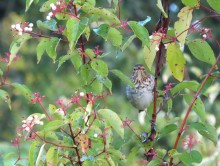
column 141, row 95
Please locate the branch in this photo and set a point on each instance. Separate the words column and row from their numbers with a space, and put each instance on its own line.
column 161, row 26
column 52, row 143
column 74, row 141
column 191, row 104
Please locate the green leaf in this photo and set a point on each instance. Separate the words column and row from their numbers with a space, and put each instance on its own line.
column 198, row 106
column 132, row 155
column 51, row 48
column 48, row 24
column 202, row 51
column 90, row 53
column 123, row 77
column 196, row 156
column 100, row 67
column 191, row 85
column 75, row 28
column 191, row 157
column 100, row 12
column 23, row 89
column 87, row 33
column 215, row 4
column 63, row 59
column 160, row 6
column 33, row 153
column 102, row 30
column 117, row 154
column 150, row 52
column 113, row 119
column 16, row 45
column 52, row 156
column 169, row 105
column 97, row 87
column 62, row 16
column 76, row 119
column 181, row 26
column 88, row 163
column 176, row 61
column 28, row 4
column 41, row 47
column 191, row 3
column 86, row 73
column 161, row 152
column 128, row 42
column 141, row 32
column 115, row 37
column 5, row 96
column 207, row 130
column 72, row 28
column 46, row 6
column 198, row 126
column 54, row 125
column 154, row 162
column 168, row 129
column 82, row 2
column 82, row 26
column 110, row 161
column 40, row 155
column 76, row 59
column 105, row 81
column 173, row 153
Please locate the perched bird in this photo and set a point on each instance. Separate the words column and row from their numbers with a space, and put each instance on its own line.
column 142, row 94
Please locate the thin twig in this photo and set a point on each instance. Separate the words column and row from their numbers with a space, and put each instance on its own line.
column 74, row 141
column 45, row 111
column 191, row 105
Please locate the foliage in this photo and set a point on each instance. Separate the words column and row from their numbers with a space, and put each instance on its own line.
column 82, row 129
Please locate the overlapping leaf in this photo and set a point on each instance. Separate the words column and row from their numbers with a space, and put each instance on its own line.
column 202, row 51
column 176, row 61
column 181, row 26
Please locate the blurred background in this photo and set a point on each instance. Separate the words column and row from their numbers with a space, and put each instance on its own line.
column 44, row 78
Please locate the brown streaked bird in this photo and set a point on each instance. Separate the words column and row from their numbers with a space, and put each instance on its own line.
column 142, row 94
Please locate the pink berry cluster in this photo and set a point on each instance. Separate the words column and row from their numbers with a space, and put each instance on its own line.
column 54, row 8
column 20, row 28
column 31, row 121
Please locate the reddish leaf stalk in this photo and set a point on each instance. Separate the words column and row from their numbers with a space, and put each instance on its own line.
column 134, row 132
column 104, row 149
column 208, row 9
column 19, row 154
column 74, row 141
column 69, row 158
column 191, row 105
column 52, row 143
column 6, row 75
column 197, row 22
column 45, row 111
column 90, row 125
column 43, row 36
